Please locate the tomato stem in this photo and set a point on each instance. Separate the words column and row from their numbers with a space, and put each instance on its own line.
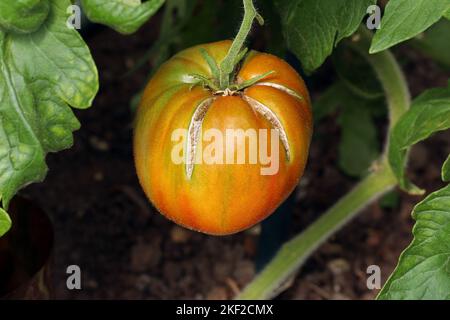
column 294, row 252
column 390, row 75
column 236, row 52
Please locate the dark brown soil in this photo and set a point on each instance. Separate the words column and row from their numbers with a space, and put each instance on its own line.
column 126, row 250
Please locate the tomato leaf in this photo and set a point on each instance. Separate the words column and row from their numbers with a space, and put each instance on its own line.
column 174, row 22
column 390, row 200
column 23, row 16
column 41, row 74
column 446, row 170
column 358, row 131
column 328, row 101
column 359, row 146
column 429, row 113
column 124, row 16
column 5, row 222
column 447, row 14
column 423, row 270
column 431, row 44
column 312, row 28
column 356, row 73
column 403, row 20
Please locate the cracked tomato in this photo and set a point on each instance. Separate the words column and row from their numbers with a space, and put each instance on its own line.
column 219, row 160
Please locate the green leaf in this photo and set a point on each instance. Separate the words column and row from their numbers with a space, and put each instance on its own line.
column 328, row 101
column 272, row 31
column 423, row 270
column 403, row 20
column 23, row 16
column 447, row 14
column 390, row 200
column 176, row 18
column 312, row 28
column 41, row 75
column 358, row 131
column 206, row 14
column 356, row 73
column 446, row 170
column 211, row 62
column 5, row 222
column 433, row 44
column 124, row 16
column 359, row 146
column 429, row 113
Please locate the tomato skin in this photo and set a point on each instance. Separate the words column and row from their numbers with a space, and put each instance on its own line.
column 219, row 199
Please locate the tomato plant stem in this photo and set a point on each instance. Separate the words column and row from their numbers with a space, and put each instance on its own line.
column 231, row 60
column 294, row 252
column 390, row 75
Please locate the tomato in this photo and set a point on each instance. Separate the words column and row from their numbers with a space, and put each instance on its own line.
column 220, row 198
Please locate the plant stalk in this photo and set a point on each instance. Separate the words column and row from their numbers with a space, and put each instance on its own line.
column 229, row 63
column 390, row 75
column 294, row 252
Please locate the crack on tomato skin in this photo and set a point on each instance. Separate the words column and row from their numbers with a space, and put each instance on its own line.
column 270, row 116
column 200, row 112
column 281, row 88
column 194, row 133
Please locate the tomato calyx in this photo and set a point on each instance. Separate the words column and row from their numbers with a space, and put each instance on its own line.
column 235, row 88
column 225, row 93
column 206, row 83
column 223, row 80
column 248, row 83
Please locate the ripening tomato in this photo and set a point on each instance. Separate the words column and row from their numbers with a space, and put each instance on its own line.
column 209, row 195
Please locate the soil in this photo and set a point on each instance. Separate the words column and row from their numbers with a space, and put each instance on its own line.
column 126, row 250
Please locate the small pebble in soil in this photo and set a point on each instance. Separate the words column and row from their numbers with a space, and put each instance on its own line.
column 254, row 231
column 221, row 270
column 145, row 255
column 217, row 293
column 91, row 284
column 331, row 248
column 99, row 144
column 339, row 296
column 250, row 246
column 373, row 238
column 172, row 271
column 338, row 266
column 180, row 235
column 244, row 272
column 98, row 176
column 143, row 281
